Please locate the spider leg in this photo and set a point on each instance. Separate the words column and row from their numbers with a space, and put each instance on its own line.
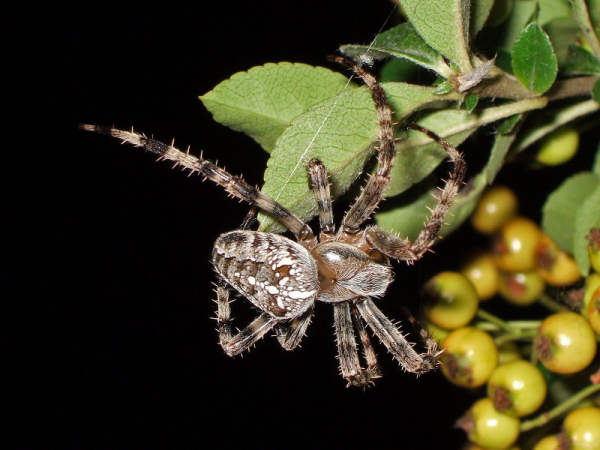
column 250, row 218
column 373, row 192
column 394, row 340
column 319, row 183
column 234, row 185
column 346, row 343
column 404, row 250
column 430, row 343
column 291, row 333
column 372, row 371
column 243, row 340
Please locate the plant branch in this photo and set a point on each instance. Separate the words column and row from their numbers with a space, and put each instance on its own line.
column 572, row 87
column 546, row 417
column 506, row 86
column 501, row 324
column 561, row 117
column 548, row 302
column 514, row 330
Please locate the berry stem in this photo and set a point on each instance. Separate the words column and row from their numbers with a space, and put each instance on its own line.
column 551, row 304
column 546, row 417
column 501, row 324
column 515, row 330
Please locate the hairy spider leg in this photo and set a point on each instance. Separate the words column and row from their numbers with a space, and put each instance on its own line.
column 319, row 183
column 374, row 191
column 291, row 332
column 346, row 344
column 372, row 371
column 394, row 340
column 234, row 185
column 235, row 344
column 404, row 250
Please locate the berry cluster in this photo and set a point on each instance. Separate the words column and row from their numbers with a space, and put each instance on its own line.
column 520, row 361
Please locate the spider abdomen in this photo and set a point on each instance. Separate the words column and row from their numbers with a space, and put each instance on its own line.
column 276, row 274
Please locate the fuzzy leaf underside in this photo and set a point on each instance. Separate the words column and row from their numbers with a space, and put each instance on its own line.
column 569, row 213
column 341, row 132
column 521, row 13
column 480, row 10
column 533, row 60
column 263, row 101
column 401, row 42
column 444, row 25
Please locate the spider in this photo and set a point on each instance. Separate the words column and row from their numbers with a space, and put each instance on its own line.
column 347, row 267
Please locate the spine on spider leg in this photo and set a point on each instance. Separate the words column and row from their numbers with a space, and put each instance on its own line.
column 450, row 190
column 362, row 209
column 234, row 185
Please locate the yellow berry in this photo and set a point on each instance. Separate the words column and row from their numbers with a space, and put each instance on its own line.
column 521, row 288
column 470, row 357
column 513, row 247
column 558, row 147
column 554, row 265
column 483, row 273
column 497, row 205
column 449, row 300
column 582, row 428
column 565, row 343
column 547, row 443
column 594, row 311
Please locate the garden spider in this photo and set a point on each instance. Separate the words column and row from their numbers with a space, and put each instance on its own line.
column 347, row 268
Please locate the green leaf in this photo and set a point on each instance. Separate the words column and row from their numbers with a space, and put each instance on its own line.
column 409, row 211
column 582, row 17
column 553, row 9
column 594, row 11
column 471, row 102
column 443, row 87
column 340, row 131
column 596, row 166
column 588, row 217
column 444, row 25
column 480, row 10
column 497, row 159
column 533, row 60
column 397, row 69
column 417, row 156
column 581, row 62
column 522, row 12
column 596, row 91
column 264, row 100
column 563, row 33
column 507, row 125
column 559, row 219
column 401, row 42
column 503, row 61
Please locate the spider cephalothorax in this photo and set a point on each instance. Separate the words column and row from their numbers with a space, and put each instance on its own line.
column 346, row 267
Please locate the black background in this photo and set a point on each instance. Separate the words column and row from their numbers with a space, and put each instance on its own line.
column 110, row 332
